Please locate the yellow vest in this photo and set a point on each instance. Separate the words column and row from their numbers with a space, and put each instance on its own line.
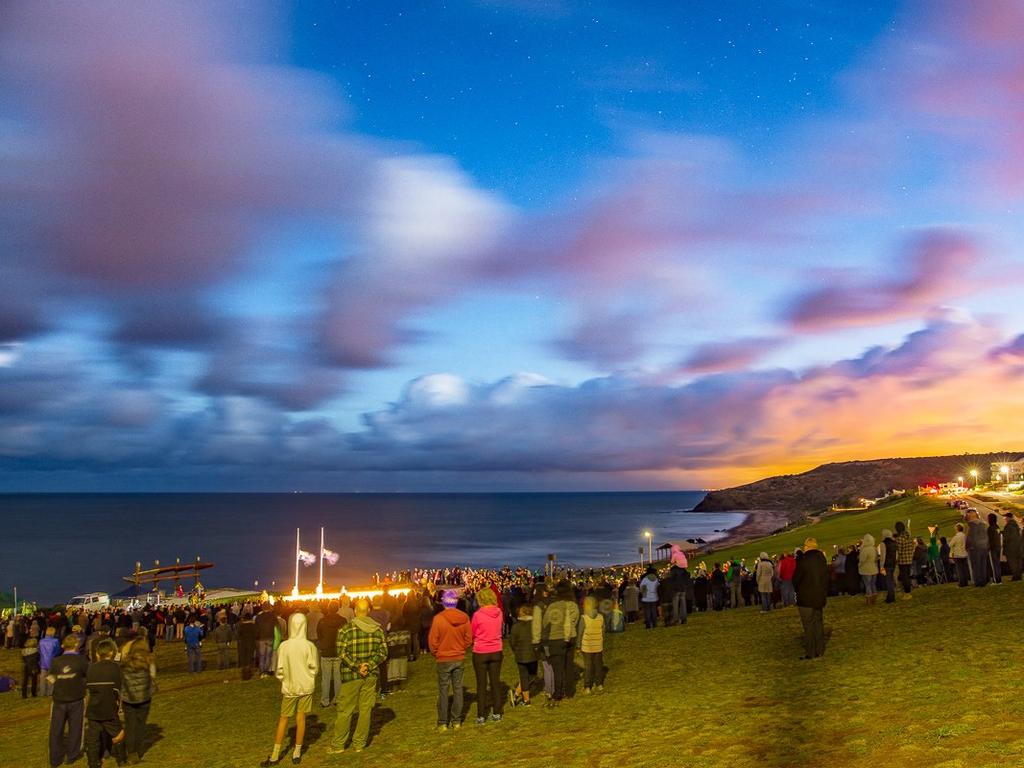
column 593, row 634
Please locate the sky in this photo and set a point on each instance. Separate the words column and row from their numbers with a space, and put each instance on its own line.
column 504, row 244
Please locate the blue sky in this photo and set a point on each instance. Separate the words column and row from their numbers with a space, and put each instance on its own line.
column 503, row 244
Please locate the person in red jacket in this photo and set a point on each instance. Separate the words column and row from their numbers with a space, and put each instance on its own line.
column 450, row 636
column 787, row 567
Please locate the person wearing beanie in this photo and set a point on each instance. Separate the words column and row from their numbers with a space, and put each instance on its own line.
column 487, row 656
column 811, row 582
column 449, row 637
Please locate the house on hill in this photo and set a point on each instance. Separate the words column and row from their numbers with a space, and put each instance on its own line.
column 1007, row 471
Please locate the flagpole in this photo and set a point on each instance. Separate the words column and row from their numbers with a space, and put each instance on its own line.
column 320, row 586
column 295, row 589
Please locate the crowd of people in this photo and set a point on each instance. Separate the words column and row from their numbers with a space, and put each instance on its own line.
column 360, row 650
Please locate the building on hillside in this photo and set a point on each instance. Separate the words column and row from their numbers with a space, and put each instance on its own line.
column 951, row 489
column 1007, row 471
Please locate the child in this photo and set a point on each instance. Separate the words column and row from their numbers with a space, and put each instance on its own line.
column 616, row 620
column 30, row 668
column 103, row 682
column 520, row 640
column 296, row 669
column 590, row 632
column 68, row 676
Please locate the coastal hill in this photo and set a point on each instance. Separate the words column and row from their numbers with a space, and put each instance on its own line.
column 845, row 482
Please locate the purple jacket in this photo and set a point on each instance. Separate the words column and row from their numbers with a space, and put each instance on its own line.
column 49, row 649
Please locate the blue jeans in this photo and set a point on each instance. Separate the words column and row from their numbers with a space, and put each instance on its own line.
column 650, row 615
column 869, row 584
column 195, row 659
column 265, row 654
column 766, row 601
column 788, row 593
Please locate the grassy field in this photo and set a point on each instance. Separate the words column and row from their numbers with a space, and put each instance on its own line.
column 934, row 681
column 848, row 527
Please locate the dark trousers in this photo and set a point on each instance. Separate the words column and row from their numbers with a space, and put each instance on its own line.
column 906, row 570
column 100, row 733
column 679, row 608
column 527, row 673
column 66, row 746
column 890, row 586
column 1013, row 564
column 979, row 566
column 29, row 679
column 995, row 569
column 963, row 573
column 650, row 615
column 223, row 655
column 593, row 669
column 135, row 717
column 449, row 673
column 557, row 652
column 487, row 667
column 666, row 613
column 814, row 631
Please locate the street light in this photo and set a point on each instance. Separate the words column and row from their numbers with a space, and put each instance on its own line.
column 960, row 482
column 1006, row 471
column 650, row 548
column 974, row 474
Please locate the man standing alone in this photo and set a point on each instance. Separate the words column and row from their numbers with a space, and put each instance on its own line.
column 362, row 648
column 811, row 583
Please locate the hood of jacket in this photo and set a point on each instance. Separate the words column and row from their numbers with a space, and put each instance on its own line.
column 886, row 533
column 297, row 625
column 366, row 624
column 868, row 540
column 490, row 610
column 455, row 617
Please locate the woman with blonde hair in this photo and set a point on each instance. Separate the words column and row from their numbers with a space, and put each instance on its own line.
column 487, row 655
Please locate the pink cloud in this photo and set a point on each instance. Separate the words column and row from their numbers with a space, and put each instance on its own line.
column 935, row 265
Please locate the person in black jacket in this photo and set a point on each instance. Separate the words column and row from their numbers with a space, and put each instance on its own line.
column 1012, row 545
column 889, row 565
column 327, row 642
column 811, row 583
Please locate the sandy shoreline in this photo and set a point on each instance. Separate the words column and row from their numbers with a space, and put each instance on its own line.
column 757, row 524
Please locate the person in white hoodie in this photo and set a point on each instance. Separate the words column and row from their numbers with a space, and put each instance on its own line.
column 297, row 667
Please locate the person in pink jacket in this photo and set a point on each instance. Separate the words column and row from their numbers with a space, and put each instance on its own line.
column 678, row 557
column 487, row 656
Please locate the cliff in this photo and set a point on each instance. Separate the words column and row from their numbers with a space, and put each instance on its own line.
column 845, row 482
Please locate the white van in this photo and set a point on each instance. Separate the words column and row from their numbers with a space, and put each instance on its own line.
column 93, row 601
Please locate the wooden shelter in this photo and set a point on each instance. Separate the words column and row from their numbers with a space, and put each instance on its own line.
column 162, row 573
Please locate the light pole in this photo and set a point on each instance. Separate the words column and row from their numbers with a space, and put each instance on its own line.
column 974, row 474
column 960, row 482
column 650, row 548
column 1006, row 471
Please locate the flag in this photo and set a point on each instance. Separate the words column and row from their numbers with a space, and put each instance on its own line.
column 306, row 558
column 331, row 558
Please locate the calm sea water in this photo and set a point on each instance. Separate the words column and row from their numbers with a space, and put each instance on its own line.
column 56, row 546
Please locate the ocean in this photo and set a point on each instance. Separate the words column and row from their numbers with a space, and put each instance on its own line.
column 56, row 546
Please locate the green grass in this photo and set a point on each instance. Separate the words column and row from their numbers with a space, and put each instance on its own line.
column 928, row 682
column 848, row 527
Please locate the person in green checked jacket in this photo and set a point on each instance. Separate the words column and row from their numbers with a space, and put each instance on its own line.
column 362, row 648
